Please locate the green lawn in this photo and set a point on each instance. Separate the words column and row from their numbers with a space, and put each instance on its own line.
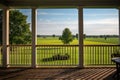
column 87, row 41
column 22, row 56
column 102, row 40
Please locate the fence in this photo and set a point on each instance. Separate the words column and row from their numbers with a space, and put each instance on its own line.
column 20, row 55
column 60, row 55
column 99, row 54
column 57, row 55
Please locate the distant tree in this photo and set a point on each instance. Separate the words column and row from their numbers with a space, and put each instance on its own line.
column 60, row 38
column 76, row 36
column 84, row 36
column 53, row 35
column 19, row 28
column 66, row 36
column 105, row 37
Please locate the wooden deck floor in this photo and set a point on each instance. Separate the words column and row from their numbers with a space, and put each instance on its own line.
column 57, row 74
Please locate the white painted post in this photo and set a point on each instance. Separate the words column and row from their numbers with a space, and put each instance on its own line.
column 119, row 23
column 34, row 22
column 5, row 38
column 80, row 30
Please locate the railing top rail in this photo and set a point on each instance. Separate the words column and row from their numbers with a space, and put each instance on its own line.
column 56, row 45
column 63, row 45
column 103, row 45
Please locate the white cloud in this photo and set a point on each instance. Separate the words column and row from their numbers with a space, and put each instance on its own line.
column 100, row 14
column 102, row 21
column 91, row 27
column 57, row 29
column 101, row 27
column 50, row 21
column 100, row 24
column 55, row 14
column 42, row 13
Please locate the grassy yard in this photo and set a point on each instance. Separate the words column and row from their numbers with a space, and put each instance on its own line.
column 102, row 40
column 87, row 41
column 22, row 56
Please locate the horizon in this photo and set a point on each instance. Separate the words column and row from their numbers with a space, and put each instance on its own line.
column 75, row 34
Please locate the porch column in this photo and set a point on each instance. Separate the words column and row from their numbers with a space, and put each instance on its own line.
column 34, row 21
column 119, row 23
column 5, row 37
column 80, row 30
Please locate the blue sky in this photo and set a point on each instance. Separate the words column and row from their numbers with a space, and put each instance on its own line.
column 96, row 21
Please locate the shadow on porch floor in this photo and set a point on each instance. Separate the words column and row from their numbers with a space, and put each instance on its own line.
column 57, row 74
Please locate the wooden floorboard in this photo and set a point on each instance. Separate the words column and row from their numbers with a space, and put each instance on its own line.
column 58, row 74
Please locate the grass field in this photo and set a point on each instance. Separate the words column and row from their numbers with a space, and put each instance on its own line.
column 101, row 41
column 22, row 56
column 87, row 41
column 94, row 55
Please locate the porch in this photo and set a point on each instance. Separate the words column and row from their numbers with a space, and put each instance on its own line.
column 31, row 55
column 58, row 74
column 18, row 56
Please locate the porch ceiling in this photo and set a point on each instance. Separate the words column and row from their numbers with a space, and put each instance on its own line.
column 59, row 3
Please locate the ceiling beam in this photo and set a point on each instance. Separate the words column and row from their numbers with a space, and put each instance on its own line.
column 60, row 3
column 3, row 3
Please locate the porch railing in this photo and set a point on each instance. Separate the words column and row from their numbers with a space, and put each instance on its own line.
column 20, row 55
column 60, row 55
column 57, row 55
column 96, row 55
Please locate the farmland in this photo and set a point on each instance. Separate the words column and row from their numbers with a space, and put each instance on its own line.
column 87, row 41
column 21, row 55
column 92, row 55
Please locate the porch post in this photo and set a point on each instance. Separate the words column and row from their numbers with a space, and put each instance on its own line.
column 80, row 30
column 119, row 23
column 5, row 38
column 34, row 19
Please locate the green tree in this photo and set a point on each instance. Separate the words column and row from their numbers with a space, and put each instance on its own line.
column 66, row 36
column 19, row 28
column 76, row 36
column 53, row 35
column 84, row 36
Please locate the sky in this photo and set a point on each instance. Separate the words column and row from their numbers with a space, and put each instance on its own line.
column 96, row 21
